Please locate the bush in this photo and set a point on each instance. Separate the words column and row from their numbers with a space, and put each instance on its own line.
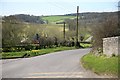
column 29, row 47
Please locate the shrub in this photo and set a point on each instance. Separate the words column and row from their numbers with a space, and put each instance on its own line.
column 29, row 47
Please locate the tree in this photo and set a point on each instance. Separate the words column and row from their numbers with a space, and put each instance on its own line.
column 11, row 31
column 107, row 28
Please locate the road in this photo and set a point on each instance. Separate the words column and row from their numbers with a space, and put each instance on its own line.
column 63, row 64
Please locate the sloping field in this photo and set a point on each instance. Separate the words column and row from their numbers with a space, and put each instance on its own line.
column 57, row 18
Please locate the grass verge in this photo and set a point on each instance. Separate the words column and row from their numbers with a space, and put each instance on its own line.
column 26, row 54
column 101, row 65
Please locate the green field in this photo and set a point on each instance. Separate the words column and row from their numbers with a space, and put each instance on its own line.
column 26, row 54
column 101, row 64
column 57, row 18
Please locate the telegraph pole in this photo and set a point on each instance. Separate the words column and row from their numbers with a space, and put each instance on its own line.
column 77, row 43
column 64, row 31
column 63, row 28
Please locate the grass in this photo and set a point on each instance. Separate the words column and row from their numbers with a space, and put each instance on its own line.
column 57, row 18
column 86, row 45
column 101, row 64
column 32, row 53
column 9, row 55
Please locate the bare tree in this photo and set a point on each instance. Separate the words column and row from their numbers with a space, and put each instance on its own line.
column 107, row 28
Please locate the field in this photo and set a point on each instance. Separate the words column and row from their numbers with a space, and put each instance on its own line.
column 54, row 19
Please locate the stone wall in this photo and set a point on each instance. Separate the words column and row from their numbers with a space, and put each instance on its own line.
column 111, row 45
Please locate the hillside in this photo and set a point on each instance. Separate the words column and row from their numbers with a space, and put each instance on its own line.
column 93, row 16
column 26, row 18
column 88, row 17
column 83, row 17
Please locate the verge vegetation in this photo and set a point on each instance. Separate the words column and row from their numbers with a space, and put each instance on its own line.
column 101, row 64
column 32, row 53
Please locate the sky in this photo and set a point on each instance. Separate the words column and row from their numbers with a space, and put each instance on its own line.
column 55, row 7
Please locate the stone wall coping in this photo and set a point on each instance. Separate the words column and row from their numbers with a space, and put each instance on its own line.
column 111, row 37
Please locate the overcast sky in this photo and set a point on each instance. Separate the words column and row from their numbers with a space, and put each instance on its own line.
column 55, row 7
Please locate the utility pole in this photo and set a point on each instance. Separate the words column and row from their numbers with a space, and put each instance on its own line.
column 63, row 28
column 77, row 43
column 64, row 31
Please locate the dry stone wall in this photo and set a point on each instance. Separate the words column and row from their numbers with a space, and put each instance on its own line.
column 111, row 46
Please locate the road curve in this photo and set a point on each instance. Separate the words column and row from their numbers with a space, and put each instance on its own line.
column 63, row 64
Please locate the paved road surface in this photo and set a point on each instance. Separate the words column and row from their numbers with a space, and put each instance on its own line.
column 64, row 64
